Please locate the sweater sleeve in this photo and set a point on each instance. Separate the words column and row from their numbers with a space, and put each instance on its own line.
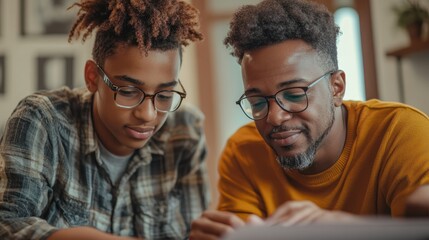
column 24, row 175
column 238, row 190
column 407, row 158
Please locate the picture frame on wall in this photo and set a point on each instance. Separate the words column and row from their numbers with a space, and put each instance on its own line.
column 46, row 17
column 2, row 74
column 54, row 71
column 1, row 20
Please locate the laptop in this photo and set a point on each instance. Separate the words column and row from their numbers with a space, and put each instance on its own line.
column 374, row 228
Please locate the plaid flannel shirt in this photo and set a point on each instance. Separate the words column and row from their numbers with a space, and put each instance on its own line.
column 52, row 177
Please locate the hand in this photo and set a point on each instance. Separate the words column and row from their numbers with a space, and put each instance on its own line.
column 306, row 212
column 214, row 225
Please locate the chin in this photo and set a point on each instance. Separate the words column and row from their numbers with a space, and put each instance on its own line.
column 134, row 144
column 297, row 162
column 296, row 158
column 289, row 151
column 139, row 144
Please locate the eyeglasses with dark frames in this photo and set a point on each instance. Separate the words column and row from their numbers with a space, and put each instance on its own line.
column 293, row 100
column 130, row 96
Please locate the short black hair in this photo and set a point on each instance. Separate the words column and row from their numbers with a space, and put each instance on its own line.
column 275, row 21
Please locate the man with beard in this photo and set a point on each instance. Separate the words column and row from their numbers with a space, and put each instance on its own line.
column 309, row 156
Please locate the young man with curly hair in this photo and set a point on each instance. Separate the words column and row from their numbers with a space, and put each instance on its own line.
column 118, row 158
column 309, row 156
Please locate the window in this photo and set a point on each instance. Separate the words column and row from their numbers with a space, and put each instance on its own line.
column 350, row 52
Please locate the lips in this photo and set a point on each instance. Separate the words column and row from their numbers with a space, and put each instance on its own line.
column 140, row 133
column 285, row 138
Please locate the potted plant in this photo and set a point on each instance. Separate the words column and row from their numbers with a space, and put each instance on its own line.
column 411, row 15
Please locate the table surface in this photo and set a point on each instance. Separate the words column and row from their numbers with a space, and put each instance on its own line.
column 409, row 229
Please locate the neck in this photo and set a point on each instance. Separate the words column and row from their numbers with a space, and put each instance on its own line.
column 332, row 146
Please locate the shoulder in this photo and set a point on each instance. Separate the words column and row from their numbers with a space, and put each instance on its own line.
column 386, row 120
column 48, row 111
column 54, row 103
column 43, row 117
column 249, row 131
column 385, row 111
column 186, row 114
column 246, row 136
column 244, row 150
column 185, row 123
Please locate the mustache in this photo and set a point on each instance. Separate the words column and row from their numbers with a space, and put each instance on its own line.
column 288, row 128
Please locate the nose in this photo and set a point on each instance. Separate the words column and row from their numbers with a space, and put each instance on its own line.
column 146, row 110
column 276, row 115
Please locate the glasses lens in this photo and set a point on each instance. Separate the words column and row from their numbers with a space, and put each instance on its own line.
column 254, row 107
column 128, row 96
column 167, row 101
column 292, row 99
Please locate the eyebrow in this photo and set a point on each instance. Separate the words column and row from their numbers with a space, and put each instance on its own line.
column 281, row 85
column 131, row 80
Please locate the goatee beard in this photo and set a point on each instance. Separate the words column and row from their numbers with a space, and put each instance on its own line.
column 300, row 161
column 304, row 160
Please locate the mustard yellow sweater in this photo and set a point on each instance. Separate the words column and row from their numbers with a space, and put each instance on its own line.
column 385, row 157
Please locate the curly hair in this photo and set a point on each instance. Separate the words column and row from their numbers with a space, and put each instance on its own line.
column 274, row 21
column 147, row 24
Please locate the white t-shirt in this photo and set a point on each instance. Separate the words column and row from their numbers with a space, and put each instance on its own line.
column 116, row 165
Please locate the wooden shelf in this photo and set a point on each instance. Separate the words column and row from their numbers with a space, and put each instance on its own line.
column 415, row 47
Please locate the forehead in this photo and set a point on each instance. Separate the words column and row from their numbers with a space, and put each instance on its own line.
column 290, row 59
column 130, row 57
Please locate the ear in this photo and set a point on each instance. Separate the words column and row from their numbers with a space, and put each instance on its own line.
column 338, row 85
column 91, row 76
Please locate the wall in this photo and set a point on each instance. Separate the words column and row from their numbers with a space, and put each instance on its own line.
column 415, row 67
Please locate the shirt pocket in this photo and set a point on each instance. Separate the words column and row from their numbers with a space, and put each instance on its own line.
column 160, row 218
column 65, row 211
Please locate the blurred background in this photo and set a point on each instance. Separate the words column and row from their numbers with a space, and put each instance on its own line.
column 379, row 57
